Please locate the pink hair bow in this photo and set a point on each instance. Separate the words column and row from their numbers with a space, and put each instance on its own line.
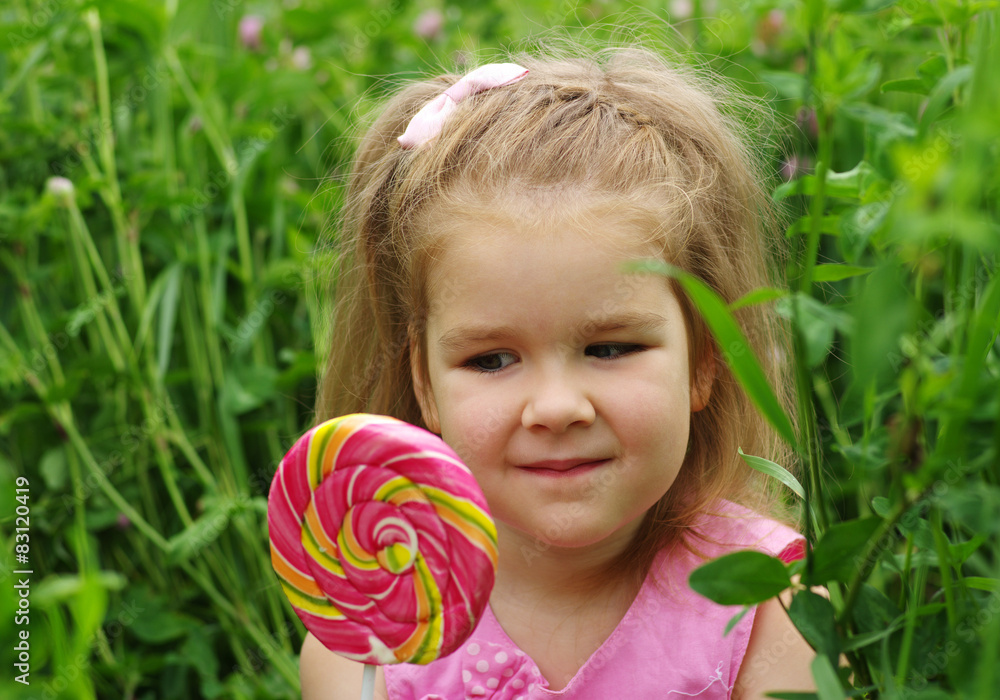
column 427, row 123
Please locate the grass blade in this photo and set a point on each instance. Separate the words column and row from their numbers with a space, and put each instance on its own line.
column 738, row 354
column 766, row 466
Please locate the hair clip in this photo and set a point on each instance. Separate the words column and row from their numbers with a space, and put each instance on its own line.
column 427, row 123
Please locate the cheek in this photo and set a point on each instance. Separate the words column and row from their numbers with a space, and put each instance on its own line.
column 469, row 430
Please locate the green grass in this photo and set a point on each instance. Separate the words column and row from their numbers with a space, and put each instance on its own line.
column 160, row 324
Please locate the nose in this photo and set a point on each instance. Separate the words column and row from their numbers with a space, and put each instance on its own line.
column 557, row 400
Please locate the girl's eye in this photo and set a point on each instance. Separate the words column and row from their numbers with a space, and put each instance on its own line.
column 492, row 362
column 610, row 351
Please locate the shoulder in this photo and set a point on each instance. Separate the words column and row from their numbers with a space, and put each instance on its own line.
column 777, row 657
column 730, row 526
column 328, row 676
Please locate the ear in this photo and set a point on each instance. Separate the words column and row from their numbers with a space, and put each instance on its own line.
column 702, row 378
column 422, row 388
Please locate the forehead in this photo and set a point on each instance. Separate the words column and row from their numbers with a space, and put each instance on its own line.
column 562, row 272
column 524, row 216
column 536, row 209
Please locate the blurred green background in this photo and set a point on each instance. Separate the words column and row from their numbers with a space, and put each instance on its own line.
column 167, row 169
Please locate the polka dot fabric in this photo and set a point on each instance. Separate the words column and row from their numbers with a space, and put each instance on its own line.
column 486, row 666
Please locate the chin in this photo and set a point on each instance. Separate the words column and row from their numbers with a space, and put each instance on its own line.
column 564, row 534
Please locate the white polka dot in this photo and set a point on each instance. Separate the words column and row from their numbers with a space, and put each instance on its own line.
column 501, row 657
column 478, row 690
column 493, row 683
column 473, row 649
column 518, row 653
column 466, row 676
column 517, row 683
column 482, row 666
column 508, row 672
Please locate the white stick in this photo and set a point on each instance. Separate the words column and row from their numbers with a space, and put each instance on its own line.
column 368, row 683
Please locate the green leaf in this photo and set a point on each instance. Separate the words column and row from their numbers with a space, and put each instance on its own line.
column 814, row 616
column 735, row 619
column 829, row 225
column 202, row 532
column 834, row 273
column 827, row 684
column 849, row 185
column 758, row 296
column 961, row 551
column 885, row 125
column 914, row 85
column 932, row 70
column 197, row 652
column 882, row 506
column 766, row 466
column 883, row 309
column 788, row 84
column 930, row 693
column 59, row 588
column 53, row 468
column 817, row 322
column 741, row 578
column 88, row 607
column 938, row 100
column 982, row 584
column 982, row 336
column 858, row 225
column 860, row 641
column 153, row 299
column 839, row 553
column 168, row 315
column 735, row 348
column 159, row 625
column 246, row 388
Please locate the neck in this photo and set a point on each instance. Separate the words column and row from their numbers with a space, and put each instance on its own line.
column 535, row 572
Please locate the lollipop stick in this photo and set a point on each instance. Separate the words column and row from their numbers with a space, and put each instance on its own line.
column 368, row 683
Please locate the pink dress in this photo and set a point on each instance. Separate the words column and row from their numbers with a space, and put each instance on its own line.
column 670, row 644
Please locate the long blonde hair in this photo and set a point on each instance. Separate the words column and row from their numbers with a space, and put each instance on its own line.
column 621, row 122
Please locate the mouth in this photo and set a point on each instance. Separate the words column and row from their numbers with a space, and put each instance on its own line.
column 563, row 467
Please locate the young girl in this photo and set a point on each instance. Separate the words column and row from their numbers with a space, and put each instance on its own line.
column 483, row 294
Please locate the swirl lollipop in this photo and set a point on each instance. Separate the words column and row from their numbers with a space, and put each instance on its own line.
column 382, row 540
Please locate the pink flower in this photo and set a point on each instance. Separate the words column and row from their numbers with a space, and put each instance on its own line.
column 429, row 24
column 251, row 27
column 302, row 58
column 776, row 20
column 806, row 120
column 794, row 166
column 680, row 9
column 770, row 27
column 60, row 187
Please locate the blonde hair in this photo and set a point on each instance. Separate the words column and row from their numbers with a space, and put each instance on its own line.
column 622, row 123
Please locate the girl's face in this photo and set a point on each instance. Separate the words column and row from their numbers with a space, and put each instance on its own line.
column 560, row 380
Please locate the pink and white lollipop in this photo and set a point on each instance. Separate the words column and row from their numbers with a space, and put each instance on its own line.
column 382, row 540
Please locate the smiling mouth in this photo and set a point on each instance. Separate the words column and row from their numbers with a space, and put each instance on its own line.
column 560, row 467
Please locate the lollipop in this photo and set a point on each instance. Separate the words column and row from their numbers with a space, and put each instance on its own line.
column 382, row 540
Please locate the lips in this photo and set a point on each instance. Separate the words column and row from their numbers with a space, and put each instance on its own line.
column 564, row 465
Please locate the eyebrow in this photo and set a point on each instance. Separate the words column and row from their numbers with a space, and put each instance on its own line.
column 457, row 339
column 639, row 321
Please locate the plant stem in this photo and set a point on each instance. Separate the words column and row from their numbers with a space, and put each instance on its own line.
column 128, row 242
column 854, row 587
column 944, row 566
